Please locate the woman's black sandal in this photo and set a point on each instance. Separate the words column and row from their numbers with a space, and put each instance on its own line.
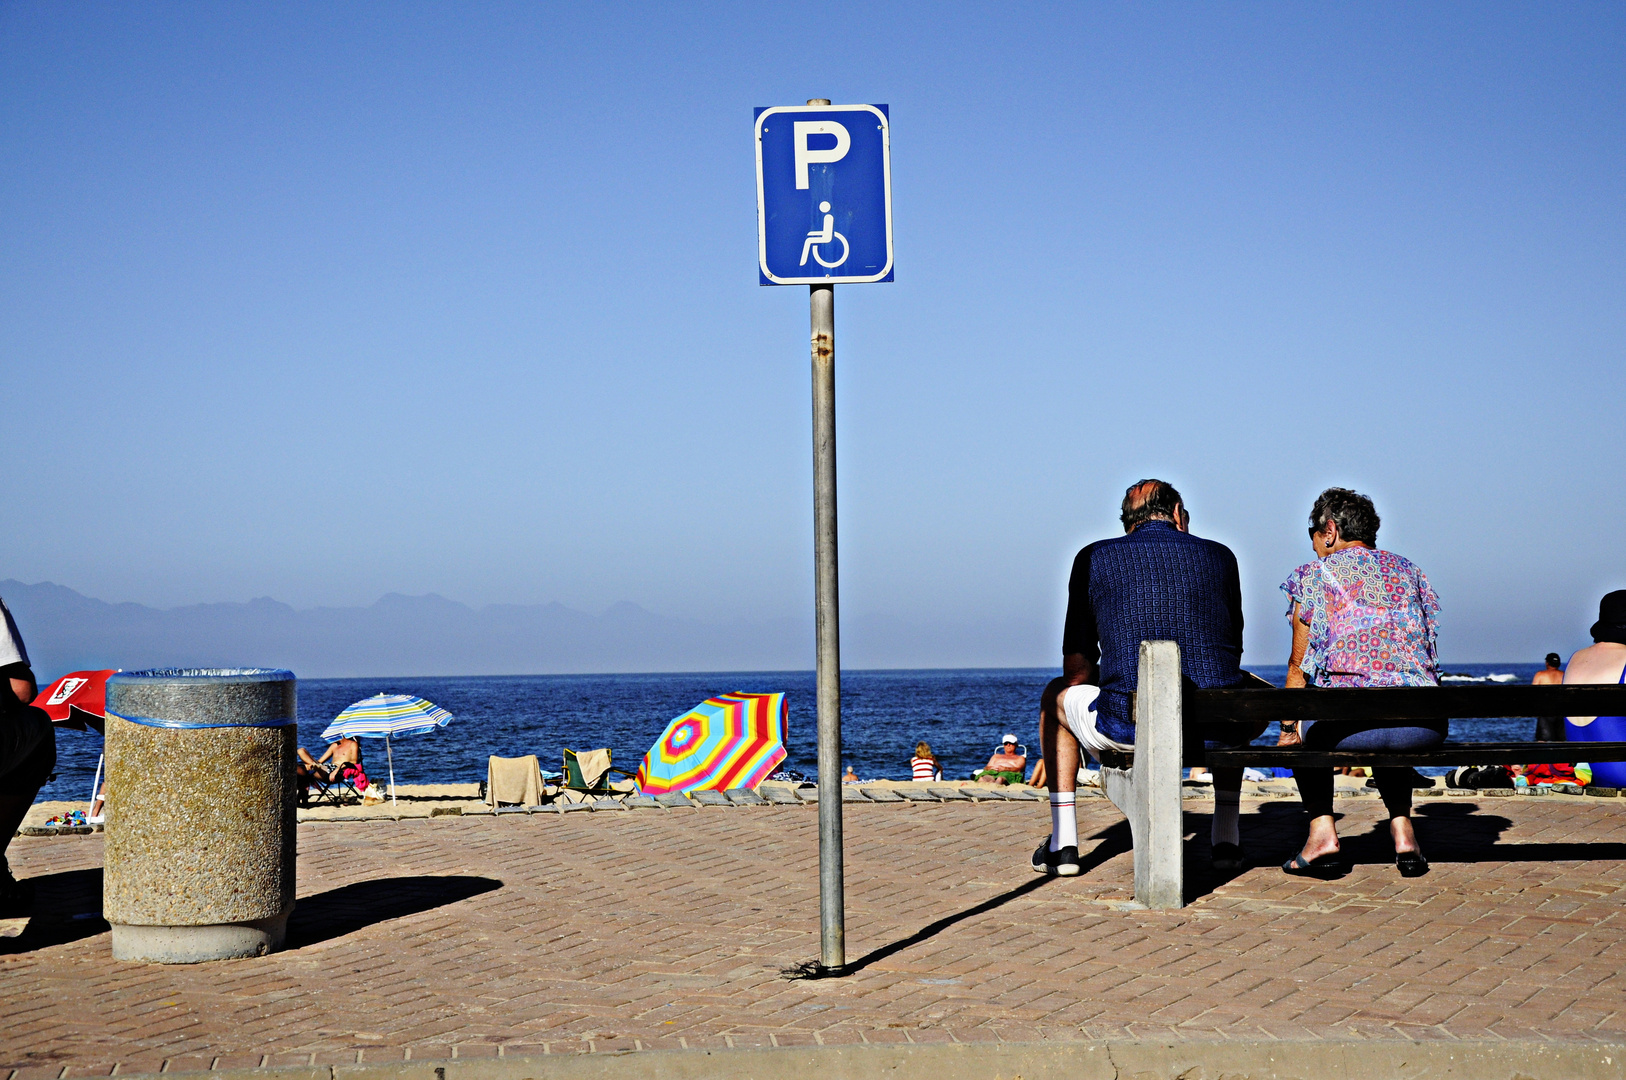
column 1411, row 863
column 1328, row 866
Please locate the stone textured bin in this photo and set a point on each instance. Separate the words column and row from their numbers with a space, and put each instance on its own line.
column 201, row 808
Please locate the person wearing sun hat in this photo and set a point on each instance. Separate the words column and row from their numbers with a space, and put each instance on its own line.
column 1604, row 661
column 1006, row 766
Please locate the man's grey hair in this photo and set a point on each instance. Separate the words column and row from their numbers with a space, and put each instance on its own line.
column 1149, row 500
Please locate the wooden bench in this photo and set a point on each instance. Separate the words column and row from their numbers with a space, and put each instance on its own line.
column 1146, row 787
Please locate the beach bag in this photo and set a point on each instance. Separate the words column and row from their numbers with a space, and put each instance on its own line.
column 1479, row 777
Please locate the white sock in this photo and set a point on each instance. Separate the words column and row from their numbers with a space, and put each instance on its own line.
column 1063, row 821
column 1227, row 805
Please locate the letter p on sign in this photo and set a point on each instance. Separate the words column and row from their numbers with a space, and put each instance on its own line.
column 806, row 157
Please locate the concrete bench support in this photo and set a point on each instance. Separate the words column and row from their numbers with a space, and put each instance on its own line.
column 1149, row 792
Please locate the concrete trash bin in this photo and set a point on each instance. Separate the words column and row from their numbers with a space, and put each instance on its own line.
column 199, row 860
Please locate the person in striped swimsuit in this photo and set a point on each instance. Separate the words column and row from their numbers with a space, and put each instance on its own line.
column 924, row 765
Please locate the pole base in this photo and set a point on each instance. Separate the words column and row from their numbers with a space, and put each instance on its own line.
column 812, row 969
column 197, row 944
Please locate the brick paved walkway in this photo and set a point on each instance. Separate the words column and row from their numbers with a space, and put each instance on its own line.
column 464, row 937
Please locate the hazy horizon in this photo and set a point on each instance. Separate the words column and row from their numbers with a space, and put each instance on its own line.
column 430, row 636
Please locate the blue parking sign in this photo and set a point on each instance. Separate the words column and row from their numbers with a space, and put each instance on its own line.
column 824, row 194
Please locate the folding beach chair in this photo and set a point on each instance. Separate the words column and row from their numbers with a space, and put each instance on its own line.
column 340, row 788
column 589, row 773
column 337, row 791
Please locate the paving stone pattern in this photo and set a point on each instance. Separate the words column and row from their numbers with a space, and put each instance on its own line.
column 522, row 934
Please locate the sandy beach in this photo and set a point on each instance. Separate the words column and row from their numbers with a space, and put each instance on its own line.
column 442, row 800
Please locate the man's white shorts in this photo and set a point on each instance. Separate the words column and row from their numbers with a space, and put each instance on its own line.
column 1078, row 710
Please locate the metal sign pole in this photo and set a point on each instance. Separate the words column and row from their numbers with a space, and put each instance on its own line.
column 824, row 216
column 832, row 902
column 832, row 899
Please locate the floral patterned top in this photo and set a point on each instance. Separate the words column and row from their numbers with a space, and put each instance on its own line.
column 1373, row 618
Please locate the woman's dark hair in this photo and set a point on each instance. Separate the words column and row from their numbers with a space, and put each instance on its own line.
column 1357, row 518
column 1553, row 659
column 1146, row 500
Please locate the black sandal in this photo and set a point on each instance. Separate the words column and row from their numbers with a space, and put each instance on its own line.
column 1411, row 863
column 1326, row 867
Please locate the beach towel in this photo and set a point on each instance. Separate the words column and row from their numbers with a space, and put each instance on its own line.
column 593, row 764
column 1550, row 774
column 352, row 772
column 513, row 780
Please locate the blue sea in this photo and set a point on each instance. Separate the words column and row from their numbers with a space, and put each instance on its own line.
column 962, row 713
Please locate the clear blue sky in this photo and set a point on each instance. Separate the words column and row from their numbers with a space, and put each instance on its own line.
column 324, row 301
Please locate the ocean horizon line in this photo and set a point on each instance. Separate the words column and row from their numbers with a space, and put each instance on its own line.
column 1445, row 665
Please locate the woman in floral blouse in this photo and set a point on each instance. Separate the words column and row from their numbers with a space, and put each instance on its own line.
column 1361, row 617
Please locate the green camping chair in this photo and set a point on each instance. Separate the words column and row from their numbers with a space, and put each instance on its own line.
column 589, row 773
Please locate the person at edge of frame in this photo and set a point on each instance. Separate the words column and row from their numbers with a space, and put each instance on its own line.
column 27, row 754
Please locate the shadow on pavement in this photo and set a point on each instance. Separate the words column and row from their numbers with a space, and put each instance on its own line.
column 352, row 907
column 1450, row 832
column 1273, row 828
column 67, row 907
column 1112, row 842
column 1457, row 832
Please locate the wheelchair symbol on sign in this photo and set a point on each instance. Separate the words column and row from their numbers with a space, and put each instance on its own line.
column 820, row 237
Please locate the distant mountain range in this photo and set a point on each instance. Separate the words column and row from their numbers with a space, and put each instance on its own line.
column 431, row 635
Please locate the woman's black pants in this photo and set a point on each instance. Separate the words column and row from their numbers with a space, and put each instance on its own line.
column 1394, row 784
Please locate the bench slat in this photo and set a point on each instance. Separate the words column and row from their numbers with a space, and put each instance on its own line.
column 1418, row 703
column 1502, row 753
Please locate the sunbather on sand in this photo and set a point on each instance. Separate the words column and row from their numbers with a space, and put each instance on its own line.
column 347, row 751
column 1007, row 764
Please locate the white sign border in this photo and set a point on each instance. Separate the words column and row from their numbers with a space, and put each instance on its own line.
column 886, row 171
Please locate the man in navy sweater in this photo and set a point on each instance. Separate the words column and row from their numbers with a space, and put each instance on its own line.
column 1157, row 582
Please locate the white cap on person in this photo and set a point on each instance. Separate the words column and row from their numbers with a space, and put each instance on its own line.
column 1009, row 739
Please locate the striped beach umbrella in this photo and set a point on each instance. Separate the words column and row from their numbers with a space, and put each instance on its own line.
column 732, row 741
column 384, row 716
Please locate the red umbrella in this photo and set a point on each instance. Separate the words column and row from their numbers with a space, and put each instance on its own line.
column 78, row 700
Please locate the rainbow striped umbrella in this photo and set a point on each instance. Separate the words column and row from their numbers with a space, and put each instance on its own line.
column 384, row 715
column 732, row 741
